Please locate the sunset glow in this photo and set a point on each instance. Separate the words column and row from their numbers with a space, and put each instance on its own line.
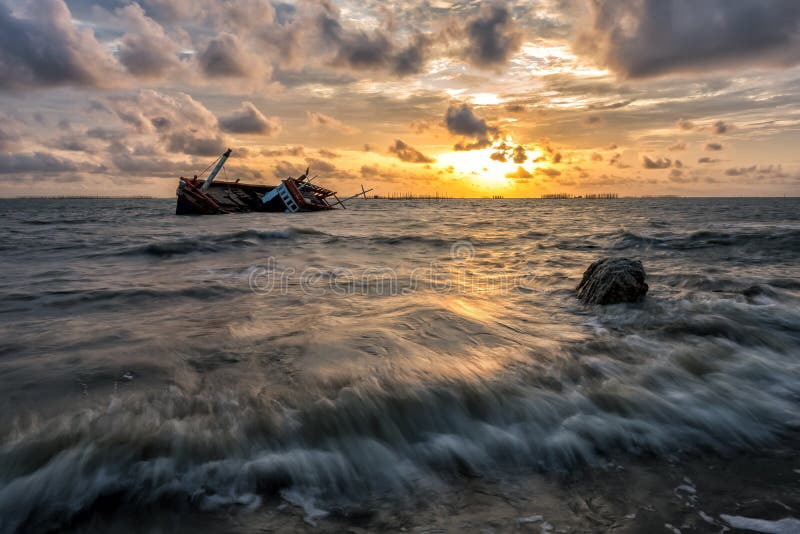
column 411, row 97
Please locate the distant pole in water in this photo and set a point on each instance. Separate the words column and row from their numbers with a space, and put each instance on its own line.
column 217, row 168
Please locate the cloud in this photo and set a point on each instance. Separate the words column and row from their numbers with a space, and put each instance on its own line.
column 9, row 133
column 707, row 160
column 180, row 123
column 226, row 57
column 320, row 120
column 320, row 165
column 46, row 49
column 296, row 151
column 420, row 125
column 548, row 171
column 740, row 171
column 492, row 37
column 500, row 155
column 408, row 153
column 284, row 169
column 34, row 162
column 460, row 119
column 684, row 124
column 73, row 143
column 313, row 33
column 370, row 171
column 518, row 155
column 474, row 145
column 145, row 50
column 714, row 147
column 249, row 120
column 721, row 127
column 520, row 175
column 330, row 154
column 677, row 147
column 659, row 163
column 412, row 58
column 644, row 38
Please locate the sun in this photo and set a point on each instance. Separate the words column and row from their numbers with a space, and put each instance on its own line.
column 485, row 172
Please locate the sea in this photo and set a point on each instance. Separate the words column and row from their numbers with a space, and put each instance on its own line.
column 401, row 365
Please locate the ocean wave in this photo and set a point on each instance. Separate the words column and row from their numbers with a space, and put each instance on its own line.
column 137, row 297
column 770, row 238
column 214, row 243
column 384, row 436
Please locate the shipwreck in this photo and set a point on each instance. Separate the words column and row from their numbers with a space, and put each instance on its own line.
column 210, row 196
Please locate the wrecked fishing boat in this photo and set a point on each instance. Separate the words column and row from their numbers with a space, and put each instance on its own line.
column 292, row 195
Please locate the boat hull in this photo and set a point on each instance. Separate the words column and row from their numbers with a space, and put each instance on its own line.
column 235, row 197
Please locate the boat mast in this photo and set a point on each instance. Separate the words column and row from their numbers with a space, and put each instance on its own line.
column 216, row 170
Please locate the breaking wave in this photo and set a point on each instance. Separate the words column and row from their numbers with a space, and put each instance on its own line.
column 732, row 382
column 139, row 369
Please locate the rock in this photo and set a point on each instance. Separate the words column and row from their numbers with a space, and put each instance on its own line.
column 613, row 280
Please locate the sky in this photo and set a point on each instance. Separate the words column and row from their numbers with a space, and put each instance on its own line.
column 464, row 98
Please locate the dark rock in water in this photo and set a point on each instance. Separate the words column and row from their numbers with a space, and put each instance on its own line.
column 613, row 280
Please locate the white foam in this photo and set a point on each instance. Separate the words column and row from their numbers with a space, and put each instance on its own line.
column 787, row 525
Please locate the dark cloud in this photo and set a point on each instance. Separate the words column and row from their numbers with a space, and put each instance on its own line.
column 461, row 120
column 195, row 142
column 180, row 122
column 660, row 163
column 492, row 37
column 73, row 143
column 518, row 155
column 473, row 145
column 249, row 120
column 146, row 50
column 320, row 165
column 684, row 124
column 706, row 159
column 224, row 56
column 412, row 58
column 46, row 49
column 131, row 162
column 284, row 169
column 714, row 147
column 740, row 171
column 499, row 156
column 408, row 153
column 314, row 32
column 721, row 127
column 105, row 134
column 654, row 37
column 34, row 162
column 297, row 151
column 362, row 50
